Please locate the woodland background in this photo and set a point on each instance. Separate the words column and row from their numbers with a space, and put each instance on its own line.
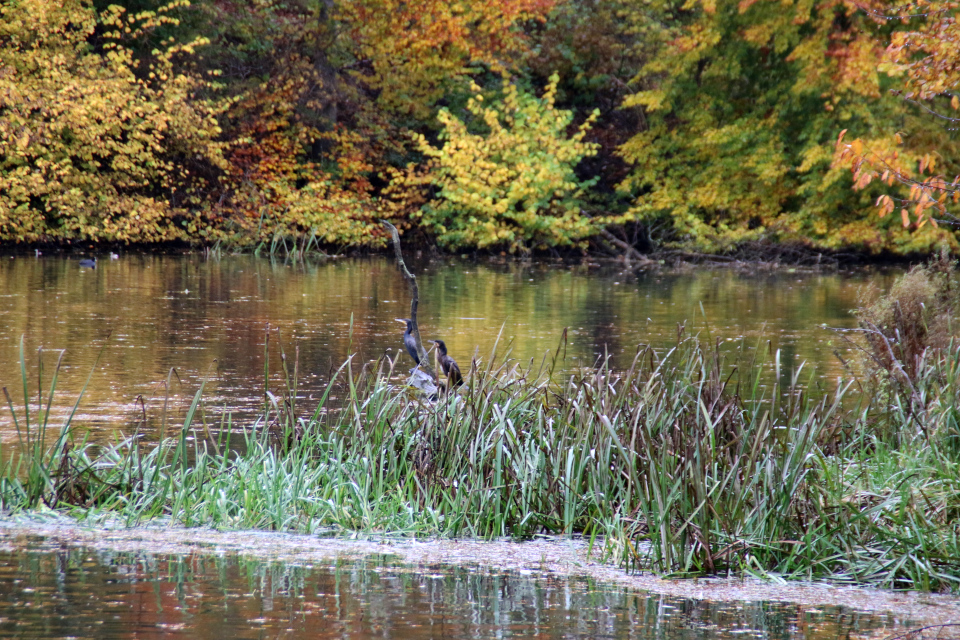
column 517, row 125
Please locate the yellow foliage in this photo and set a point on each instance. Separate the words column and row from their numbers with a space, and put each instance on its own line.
column 92, row 149
column 513, row 185
column 416, row 48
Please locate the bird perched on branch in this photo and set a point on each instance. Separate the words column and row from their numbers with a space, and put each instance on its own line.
column 449, row 365
column 409, row 341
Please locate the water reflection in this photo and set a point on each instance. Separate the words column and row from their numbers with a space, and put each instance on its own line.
column 69, row 592
column 186, row 320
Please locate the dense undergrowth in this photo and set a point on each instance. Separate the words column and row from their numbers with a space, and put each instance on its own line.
column 683, row 464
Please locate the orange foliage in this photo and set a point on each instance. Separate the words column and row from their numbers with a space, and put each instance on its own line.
column 314, row 134
column 926, row 55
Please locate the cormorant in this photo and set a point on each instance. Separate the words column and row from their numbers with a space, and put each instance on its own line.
column 408, row 340
column 449, row 365
column 89, row 262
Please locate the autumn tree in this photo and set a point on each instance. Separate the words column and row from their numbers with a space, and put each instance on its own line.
column 512, row 183
column 415, row 52
column 744, row 101
column 326, row 94
column 918, row 160
column 93, row 143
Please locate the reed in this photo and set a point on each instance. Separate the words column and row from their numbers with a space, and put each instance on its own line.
column 683, row 464
column 40, row 469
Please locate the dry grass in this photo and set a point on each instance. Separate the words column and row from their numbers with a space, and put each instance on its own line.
column 915, row 317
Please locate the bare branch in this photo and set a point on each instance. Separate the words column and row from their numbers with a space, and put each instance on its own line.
column 415, row 298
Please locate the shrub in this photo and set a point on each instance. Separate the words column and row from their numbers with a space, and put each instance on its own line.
column 513, row 185
column 914, row 317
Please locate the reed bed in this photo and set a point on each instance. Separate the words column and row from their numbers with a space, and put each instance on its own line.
column 684, row 464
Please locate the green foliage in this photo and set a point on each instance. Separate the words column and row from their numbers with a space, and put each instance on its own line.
column 513, row 184
column 745, row 101
column 717, row 122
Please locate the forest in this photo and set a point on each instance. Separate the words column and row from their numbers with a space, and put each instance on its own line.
column 517, row 126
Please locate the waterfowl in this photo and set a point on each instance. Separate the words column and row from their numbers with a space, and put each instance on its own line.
column 449, row 365
column 409, row 341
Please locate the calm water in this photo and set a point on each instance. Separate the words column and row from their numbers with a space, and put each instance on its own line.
column 52, row 592
column 156, row 318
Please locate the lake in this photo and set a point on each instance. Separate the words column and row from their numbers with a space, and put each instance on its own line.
column 136, row 323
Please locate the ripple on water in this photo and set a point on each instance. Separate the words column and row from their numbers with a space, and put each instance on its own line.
column 221, row 325
column 218, row 584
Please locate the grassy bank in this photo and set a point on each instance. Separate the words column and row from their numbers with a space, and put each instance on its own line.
column 683, row 464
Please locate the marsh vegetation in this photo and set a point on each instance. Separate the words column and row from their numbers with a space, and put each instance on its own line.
column 682, row 463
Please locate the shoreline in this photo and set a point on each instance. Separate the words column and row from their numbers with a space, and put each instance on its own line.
column 768, row 256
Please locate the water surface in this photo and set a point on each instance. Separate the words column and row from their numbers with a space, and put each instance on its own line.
column 155, row 319
column 50, row 591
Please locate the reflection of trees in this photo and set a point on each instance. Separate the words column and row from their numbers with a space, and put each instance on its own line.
column 207, row 319
column 363, row 597
column 776, row 307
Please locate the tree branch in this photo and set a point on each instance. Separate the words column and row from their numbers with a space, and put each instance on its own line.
column 415, row 298
column 631, row 251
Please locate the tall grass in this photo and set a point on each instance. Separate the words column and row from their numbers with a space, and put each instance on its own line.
column 683, row 464
column 40, row 470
